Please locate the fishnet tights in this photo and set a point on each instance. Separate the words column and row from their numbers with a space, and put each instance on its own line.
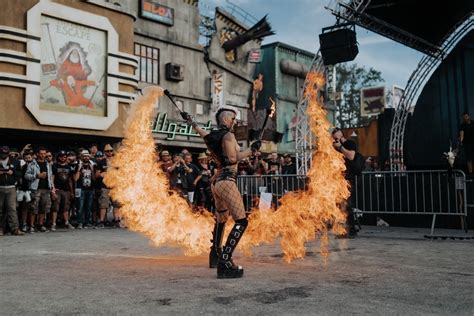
column 228, row 201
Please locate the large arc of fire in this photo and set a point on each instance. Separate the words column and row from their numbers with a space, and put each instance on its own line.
column 148, row 207
column 142, row 189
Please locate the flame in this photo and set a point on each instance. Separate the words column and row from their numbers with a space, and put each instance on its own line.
column 148, row 206
column 141, row 188
column 302, row 216
column 272, row 108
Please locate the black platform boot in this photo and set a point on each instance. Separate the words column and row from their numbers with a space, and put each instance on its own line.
column 226, row 269
column 216, row 248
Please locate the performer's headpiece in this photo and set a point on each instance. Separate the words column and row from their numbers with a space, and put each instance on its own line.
column 223, row 110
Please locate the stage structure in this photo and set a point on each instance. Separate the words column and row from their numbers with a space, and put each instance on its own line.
column 401, row 22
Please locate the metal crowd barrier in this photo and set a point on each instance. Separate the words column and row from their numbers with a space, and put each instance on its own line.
column 425, row 192
column 252, row 186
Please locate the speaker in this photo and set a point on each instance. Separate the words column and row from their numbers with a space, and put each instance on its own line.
column 338, row 46
column 174, row 72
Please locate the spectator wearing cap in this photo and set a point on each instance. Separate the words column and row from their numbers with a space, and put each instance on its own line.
column 85, row 177
column 192, row 172
column 259, row 166
column 14, row 154
column 166, row 162
column 274, row 166
column 64, row 190
column 9, row 173
column 99, row 155
column 202, row 184
column 288, row 166
column 40, row 175
column 104, row 198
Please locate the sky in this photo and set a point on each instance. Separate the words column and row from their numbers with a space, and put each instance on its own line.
column 299, row 22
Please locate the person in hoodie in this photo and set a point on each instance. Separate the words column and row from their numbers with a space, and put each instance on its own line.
column 40, row 175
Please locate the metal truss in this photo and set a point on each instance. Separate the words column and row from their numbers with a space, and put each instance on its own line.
column 304, row 136
column 353, row 11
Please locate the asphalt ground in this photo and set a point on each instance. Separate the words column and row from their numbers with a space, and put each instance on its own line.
column 385, row 270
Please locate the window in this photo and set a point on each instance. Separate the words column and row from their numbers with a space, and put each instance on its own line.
column 148, row 64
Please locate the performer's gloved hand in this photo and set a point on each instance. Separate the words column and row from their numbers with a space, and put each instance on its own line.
column 255, row 146
column 186, row 117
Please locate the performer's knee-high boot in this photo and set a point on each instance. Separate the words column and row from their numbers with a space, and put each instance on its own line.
column 216, row 248
column 226, row 268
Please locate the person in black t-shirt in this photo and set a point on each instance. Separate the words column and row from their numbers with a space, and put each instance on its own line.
column 64, row 191
column 98, row 184
column 466, row 140
column 85, row 177
column 178, row 179
column 348, row 148
column 203, row 197
column 192, row 172
column 274, row 166
column 288, row 166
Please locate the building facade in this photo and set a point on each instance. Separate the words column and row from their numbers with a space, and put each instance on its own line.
column 202, row 79
column 282, row 71
column 67, row 71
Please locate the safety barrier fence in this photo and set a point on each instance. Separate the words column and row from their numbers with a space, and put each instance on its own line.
column 268, row 189
column 425, row 192
column 422, row 192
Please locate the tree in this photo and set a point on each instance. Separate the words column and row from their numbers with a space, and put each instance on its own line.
column 350, row 78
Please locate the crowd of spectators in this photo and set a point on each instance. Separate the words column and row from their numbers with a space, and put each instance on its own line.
column 372, row 164
column 193, row 180
column 41, row 190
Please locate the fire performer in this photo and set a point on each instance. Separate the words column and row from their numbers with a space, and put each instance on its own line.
column 225, row 150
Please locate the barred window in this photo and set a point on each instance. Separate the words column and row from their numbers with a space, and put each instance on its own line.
column 149, row 63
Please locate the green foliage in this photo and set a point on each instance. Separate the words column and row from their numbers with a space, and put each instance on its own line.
column 350, row 78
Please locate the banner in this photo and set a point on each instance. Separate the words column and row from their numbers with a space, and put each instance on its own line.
column 73, row 65
column 157, row 12
column 217, row 90
column 372, row 101
column 286, row 122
